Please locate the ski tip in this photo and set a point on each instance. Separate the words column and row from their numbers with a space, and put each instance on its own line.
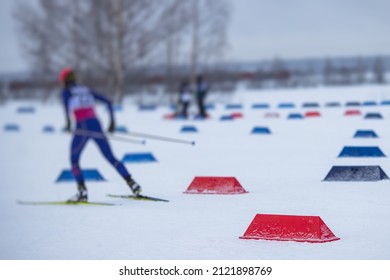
column 143, row 142
column 138, row 197
column 193, row 143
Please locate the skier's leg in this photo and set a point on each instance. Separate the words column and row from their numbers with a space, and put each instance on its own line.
column 202, row 108
column 105, row 148
column 77, row 146
column 107, row 152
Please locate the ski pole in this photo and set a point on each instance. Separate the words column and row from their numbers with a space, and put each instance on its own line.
column 102, row 136
column 161, row 138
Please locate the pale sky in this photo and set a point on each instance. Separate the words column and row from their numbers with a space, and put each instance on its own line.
column 263, row 29
column 309, row 28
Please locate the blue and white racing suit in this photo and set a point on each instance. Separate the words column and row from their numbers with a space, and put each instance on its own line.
column 80, row 100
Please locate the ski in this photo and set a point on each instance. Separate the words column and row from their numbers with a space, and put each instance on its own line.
column 87, row 203
column 138, row 197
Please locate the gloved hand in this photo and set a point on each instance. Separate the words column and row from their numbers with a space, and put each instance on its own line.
column 111, row 127
column 67, row 126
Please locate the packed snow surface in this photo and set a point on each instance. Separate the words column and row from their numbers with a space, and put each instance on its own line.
column 282, row 171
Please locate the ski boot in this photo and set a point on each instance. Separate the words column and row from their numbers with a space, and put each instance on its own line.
column 134, row 186
column 81, row 196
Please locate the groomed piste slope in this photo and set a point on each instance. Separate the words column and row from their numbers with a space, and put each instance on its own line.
column 274, row 201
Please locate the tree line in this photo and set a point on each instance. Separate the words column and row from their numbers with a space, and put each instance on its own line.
column 107, row 41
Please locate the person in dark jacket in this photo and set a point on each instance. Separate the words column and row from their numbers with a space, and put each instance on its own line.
column 201, row 92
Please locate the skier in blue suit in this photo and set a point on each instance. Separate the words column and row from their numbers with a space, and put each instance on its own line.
column 80, row 100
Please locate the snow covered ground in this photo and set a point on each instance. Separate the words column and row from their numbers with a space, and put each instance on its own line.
column 282, row 172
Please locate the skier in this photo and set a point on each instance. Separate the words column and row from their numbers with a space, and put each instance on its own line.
column 201, row 92
column 79, row 100
column 184, row 99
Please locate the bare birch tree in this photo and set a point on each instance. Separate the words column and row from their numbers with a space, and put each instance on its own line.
column 106, row 39
column 209, row 21
column 97, row 37
column 173, row 24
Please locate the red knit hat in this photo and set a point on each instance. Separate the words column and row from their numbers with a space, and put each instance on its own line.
column 64, row 73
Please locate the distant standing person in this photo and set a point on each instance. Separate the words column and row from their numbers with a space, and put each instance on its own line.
column 184, row 99
column 80, row 100
column 201, row 92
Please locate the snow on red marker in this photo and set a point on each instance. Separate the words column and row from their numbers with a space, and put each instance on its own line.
column 289, row 228
column 215, row 185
